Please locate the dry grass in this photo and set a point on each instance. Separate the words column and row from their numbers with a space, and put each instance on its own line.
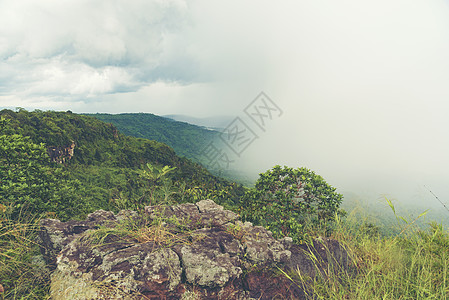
column 162, row 231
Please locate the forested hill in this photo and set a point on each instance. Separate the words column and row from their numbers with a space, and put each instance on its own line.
column 97, row 142
column 106, row 169
column 186, row 139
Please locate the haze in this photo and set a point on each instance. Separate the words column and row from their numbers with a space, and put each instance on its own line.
column 363, row 85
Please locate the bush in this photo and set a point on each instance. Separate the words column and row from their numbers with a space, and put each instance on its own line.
column 28, row 182
column 284, row 199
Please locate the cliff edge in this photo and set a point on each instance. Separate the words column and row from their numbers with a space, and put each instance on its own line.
column 185, row 251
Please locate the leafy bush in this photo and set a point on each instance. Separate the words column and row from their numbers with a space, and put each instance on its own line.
column 284, row 199
column 28, row 182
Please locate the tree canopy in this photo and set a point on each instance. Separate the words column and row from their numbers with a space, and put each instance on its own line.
column 107, row 167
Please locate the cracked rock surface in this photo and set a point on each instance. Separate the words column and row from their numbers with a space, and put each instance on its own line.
column 185, row 251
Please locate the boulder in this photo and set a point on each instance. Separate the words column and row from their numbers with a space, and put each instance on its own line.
column 207, row 263
column 185, row 251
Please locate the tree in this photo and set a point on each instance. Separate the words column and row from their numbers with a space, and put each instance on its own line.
column 27, row 180
column 283, row 198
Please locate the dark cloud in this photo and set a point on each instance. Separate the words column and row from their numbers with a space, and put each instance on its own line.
column 86, row 49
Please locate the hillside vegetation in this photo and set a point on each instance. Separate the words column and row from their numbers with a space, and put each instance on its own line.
column 109, row 168
column 64, row 165
column 186, row 139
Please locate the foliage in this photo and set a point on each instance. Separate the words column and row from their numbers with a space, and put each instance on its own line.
column 25, row 178
column 27, row 181
column 20, row 275
column 106, row 169
column 410, row 265
column 159, row 181
column 186, row 139
column 284, row 198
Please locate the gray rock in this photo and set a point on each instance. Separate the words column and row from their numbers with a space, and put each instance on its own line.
column 127, row 214
column 206, row 262
column 287, row 242
column 261, row 248
column 113, row 271
column 54, row 235
column 208, row 206
column 192, row 251
column 213, row 214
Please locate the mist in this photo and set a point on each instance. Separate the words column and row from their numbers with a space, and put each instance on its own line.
column 363, row 93
column 362, row 85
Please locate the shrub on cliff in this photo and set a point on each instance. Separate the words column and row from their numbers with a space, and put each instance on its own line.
column 284, row 198
column 28, row 183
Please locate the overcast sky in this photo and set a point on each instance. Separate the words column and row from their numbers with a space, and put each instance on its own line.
column 363, row 85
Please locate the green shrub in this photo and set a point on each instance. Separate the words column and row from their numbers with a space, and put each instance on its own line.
column 28, row 182
column 283, row 199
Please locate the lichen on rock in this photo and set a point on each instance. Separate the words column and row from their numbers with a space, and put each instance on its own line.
column 201, row 251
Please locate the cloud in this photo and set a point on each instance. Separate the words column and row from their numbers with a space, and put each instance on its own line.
column 363, row 85
column 81, row 49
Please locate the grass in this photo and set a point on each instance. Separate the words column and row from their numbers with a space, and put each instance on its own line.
column 410, row 265
column 162, row 231
column 20, row 277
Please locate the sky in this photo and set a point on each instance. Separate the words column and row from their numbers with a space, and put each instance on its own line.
column 362, row 85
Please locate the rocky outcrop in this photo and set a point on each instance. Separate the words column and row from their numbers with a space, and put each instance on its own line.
column 186, row 251
column 61, row 154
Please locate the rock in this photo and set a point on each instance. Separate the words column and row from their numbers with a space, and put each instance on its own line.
column 206, row 262
column 185, row 251
column 287, row 242
column 55, row 235
column 101, row 217
column 40, row 268
column 266, row 285
column 208, row 206
column 204, row 213
column 115, row 271
column 261, row 248
column 213, row 214
column 61, row 154
column 126, row 214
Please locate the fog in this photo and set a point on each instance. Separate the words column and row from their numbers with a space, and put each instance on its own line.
column 363, row 90
column 362, row 85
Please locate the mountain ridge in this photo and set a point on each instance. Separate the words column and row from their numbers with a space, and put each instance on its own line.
column 112, row 169
column 186, row 139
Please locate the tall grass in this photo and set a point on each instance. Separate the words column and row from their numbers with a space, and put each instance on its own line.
column 410, row 265
column 20, row 276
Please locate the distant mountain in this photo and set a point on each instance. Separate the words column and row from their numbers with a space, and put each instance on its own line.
column 178, row 132
column 217, row 123
column 186, row 139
